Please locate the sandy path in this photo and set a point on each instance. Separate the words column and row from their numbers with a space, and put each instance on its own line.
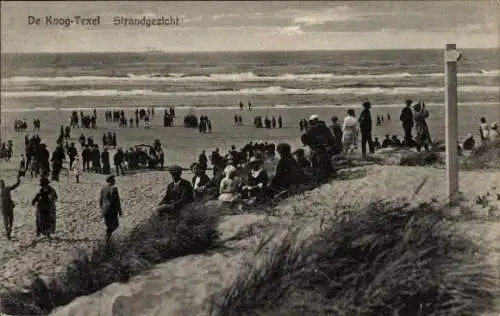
column 79, row 224
column 182, row 286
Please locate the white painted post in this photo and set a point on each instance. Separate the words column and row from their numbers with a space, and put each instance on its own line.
column 451, row 57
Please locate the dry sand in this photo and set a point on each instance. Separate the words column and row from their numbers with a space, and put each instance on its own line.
column 79, row 224
column 182, row 286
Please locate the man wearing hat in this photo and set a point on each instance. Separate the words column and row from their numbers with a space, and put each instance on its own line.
column 365, row 126
column 407, row 120
column 320, row 140
column 201, row 182
column 179, row 193
column 7, row 205
column 110, row 206
column 258, row 179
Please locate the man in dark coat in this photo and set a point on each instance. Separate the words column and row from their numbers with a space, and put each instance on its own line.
column 365, row 126
column 118, row 159
column 407, row 120
column 179, row 193
column 320, row 141
column 203, row 160
column 58, row 156
column 7, row 205
column 96, row 159
column 72, row 153
column 44, row 160
column 106, row 168
column 110, row 204
column 201, row 182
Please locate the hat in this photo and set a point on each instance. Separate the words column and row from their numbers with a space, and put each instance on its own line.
column 44, row 181
column 175, row 169
column 313, row 117
column 110, row 179
column 254, row 160
column 367, row 104
column 409, row 102
column 229, row 170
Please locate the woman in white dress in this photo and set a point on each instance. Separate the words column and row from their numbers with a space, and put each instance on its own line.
column 350, row 131
column 230, row 185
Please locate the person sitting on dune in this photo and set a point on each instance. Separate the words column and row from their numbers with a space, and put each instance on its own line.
column 300, row 157
column 230, row 185
column 257, row 180
column 469, row 142
column 376, row 144
column 202, row 184
column 288, row 172
column 179, row 193
column 396, row 143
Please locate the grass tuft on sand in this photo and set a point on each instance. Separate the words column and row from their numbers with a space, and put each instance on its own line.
column 156, row 241
column 484, row 157
column 389, row 259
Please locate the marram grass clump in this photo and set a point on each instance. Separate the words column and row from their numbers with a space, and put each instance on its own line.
column 389, row 259
column 156, row 241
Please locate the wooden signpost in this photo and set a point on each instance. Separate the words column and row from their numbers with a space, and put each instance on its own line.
column 451, row 58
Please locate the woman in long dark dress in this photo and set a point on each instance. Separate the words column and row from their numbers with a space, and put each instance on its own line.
column 423, row 138
column 45, row 202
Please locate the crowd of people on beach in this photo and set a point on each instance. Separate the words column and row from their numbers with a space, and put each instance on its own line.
column 267, row 122
column 248, row 176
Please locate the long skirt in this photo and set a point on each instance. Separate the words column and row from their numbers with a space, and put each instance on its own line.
column 350, row 138
column 112, row 223
column 45, row 222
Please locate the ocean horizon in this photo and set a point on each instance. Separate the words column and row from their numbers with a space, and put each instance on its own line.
column 223, row 79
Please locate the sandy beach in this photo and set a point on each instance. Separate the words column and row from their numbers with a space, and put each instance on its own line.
column 79, row 224
column 182, row 286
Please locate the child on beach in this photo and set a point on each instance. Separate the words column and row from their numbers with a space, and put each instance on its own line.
column 77, row 169
column 493, row 132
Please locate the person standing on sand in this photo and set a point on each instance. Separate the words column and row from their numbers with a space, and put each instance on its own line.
column 423, row 137
column 336, row 130
column 280, row 122
column 110, row 205
column 484, row 131
column 407, row 119
column 365, row 124
column 118, row 159
column 7, row 205
column 58, row 156
column 72, row 154
column 106, row 168
column 350, row 132
column 77, row 169
column 45, row 202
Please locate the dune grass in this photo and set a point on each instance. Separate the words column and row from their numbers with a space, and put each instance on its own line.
column 156, row 241
column 389, row 259
column 484, row 157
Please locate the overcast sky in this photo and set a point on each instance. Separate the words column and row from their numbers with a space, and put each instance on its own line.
column 228, row 26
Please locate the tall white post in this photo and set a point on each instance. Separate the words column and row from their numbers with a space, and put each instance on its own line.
column 451, row 56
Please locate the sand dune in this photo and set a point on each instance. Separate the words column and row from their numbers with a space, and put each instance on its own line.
column 182, row 286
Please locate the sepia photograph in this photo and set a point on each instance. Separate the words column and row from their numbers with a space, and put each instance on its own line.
column 241, row 158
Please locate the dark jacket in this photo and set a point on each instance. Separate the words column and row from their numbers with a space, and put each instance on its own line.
column 318, row 135
column 288, row 173
column 406, row 116
column 183, row 194
column 365, row 121
column 109, row 201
